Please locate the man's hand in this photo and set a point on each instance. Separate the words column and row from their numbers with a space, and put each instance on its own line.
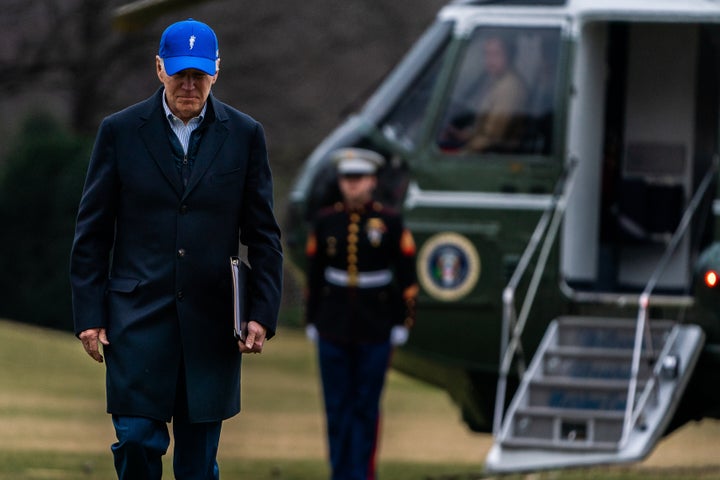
column 254, row 338
column 90, row 339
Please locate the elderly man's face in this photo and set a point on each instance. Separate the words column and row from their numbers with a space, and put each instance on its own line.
column 187, row 91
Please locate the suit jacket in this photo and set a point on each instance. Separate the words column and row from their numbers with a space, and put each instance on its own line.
column 150, row 259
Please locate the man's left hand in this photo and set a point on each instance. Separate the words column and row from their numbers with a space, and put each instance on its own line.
column 254, row 338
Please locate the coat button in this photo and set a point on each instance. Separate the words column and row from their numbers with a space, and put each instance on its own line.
column 180, row 295
column 181, row 253
column 183, row 209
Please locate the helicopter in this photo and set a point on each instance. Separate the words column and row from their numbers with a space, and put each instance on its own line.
column 571, row 254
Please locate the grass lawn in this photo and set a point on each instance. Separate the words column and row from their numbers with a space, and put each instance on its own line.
column 53, row 423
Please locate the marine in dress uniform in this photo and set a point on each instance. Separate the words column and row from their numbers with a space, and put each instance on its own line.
column 360, row 303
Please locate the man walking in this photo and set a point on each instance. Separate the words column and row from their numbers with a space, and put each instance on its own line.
column 174, row 183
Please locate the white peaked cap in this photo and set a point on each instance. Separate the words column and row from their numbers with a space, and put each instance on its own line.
column 357, row 161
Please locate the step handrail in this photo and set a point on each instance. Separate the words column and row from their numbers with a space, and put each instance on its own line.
column 642, row 327
column 547, row 226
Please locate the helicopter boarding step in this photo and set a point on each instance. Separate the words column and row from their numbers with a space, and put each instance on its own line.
column 570, row 408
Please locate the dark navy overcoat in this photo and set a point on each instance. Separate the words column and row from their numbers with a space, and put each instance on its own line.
column 150, row 259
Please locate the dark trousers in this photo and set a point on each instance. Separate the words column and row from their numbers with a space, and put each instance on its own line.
column 353, row 377
column 143, row 441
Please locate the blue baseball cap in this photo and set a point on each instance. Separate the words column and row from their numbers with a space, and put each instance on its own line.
column 189, row 44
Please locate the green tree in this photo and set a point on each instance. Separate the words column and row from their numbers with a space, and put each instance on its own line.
column 40, row 186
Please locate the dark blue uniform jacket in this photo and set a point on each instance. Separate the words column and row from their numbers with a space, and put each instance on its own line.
column 361, row 273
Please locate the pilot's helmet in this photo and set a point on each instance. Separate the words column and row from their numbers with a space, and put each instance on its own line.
column 357, row 161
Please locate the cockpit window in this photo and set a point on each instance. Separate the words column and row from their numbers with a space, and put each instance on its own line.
column 403, row 122
column 503, row 97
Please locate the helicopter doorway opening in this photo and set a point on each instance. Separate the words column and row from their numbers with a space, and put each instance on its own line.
column 643, row 125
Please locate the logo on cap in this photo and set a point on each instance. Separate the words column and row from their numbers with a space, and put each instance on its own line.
column 192, row 41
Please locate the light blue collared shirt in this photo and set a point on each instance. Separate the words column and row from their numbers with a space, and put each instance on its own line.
column 182, row 131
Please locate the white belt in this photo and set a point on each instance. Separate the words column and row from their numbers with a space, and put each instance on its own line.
column 341, row 278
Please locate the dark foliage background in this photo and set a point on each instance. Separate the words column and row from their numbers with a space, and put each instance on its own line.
column 39, row 192
column 297, row 67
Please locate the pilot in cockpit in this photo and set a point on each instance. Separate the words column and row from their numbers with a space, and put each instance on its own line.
column 497, row 104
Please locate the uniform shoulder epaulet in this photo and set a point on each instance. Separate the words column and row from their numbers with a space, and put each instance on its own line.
column 380, row 208
column 327, row 210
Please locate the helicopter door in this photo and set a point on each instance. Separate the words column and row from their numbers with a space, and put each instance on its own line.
column 655, row 178
column 640, row 162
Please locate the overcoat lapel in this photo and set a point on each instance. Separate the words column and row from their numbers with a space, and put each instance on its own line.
column 155, row 137
column 211, row 142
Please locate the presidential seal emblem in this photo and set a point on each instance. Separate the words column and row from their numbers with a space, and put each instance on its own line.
column 448, row 266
